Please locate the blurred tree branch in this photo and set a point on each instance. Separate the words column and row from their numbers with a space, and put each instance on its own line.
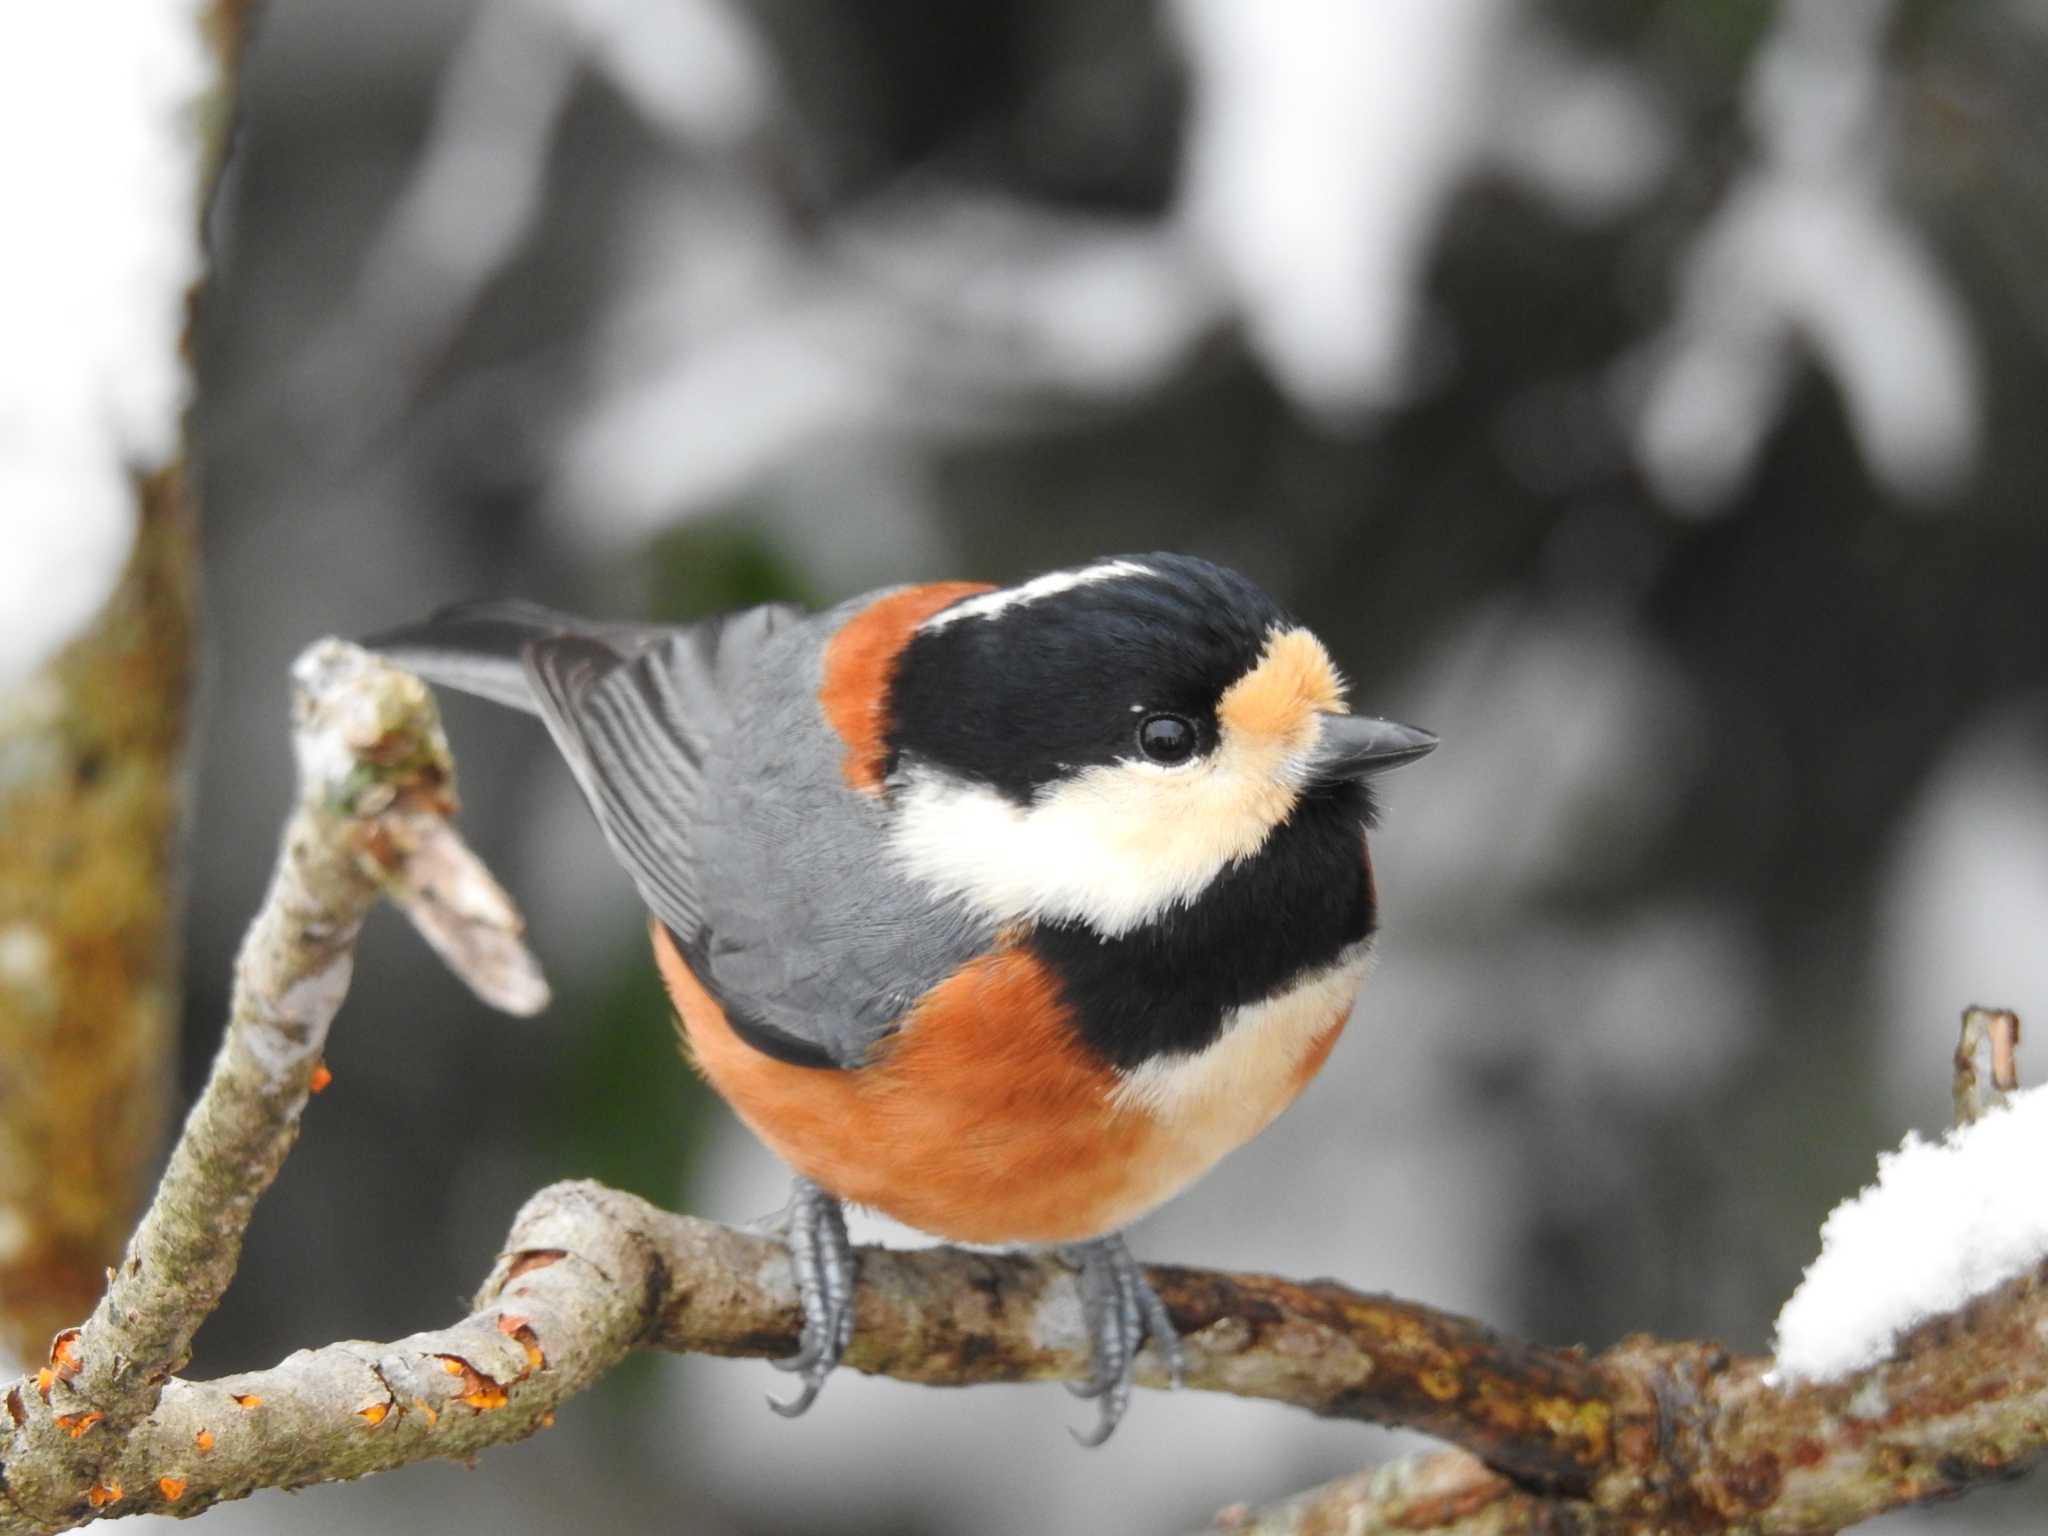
column 1648, row 1436
column 91, row 756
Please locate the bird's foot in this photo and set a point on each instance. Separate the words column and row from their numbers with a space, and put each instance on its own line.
column 1122, row 1311
column 825, row 1269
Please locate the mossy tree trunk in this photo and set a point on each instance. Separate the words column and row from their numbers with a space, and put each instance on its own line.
column 91, row 749
column 91, row 797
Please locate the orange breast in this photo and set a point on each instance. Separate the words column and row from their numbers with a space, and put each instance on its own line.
column 983, row 1119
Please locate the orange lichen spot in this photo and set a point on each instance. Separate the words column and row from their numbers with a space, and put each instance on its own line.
column 519, row 1329
column 204, row 1440
column 428, row 1411
column 64, row 1355
column 532, row 1259
column 248, row 1400
column 76, row 1424
column 373, row 1414
column 547, row 1420
column 172, row 1488
column 99, row 1495
column 321, row 1078
column 1441, row 1383
column 45, row 1379
column 478, row 1390
column 15, row 1410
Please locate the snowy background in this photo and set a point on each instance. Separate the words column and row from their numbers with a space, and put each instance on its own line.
column 1643, row 396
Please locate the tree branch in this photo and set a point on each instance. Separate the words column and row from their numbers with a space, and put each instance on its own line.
column 590, row 1274
column 376, row 786
column 1672, row 1437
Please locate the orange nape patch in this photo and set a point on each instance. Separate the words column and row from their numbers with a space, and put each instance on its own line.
column 860, row 664
column 1276, row 703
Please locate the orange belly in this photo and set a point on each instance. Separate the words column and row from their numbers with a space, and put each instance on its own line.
column 983, row 1119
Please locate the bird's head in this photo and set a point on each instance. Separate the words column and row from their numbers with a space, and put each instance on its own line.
column 1099, row 744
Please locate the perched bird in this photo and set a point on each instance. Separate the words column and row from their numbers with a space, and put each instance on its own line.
column 1005, row 912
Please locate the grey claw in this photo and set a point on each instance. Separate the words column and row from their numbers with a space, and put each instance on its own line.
column 803, row 1359
column 795, row 1407
column 1104, row 1428
column 822, row 1260
column 1122, row 1312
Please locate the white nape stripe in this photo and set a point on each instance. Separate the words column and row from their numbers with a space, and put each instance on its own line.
column 989, row 604
column 1113, row 847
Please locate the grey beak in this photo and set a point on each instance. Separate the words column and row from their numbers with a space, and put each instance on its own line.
column 1355, row 747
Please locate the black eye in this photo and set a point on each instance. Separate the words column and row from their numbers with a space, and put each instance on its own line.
column 1167, row 738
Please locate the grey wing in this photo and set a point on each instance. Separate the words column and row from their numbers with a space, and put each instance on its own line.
column 637, row 729
column 812, row 931
column 708, row 762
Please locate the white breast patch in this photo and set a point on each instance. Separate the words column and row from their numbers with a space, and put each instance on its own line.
column 1226, row 1094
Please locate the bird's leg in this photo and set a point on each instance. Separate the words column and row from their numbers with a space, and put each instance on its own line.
column 825, row 1269
column 1122, row 1311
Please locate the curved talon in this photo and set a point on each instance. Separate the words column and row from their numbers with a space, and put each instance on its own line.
column 806, row 1357
column 795, row 1407
column 1104, row 1428
column 821, row 1258
column 1122, row 1312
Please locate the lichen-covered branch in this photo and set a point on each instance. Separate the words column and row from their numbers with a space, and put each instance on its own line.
column 589, row 1274
column 376, row 787
column 375, row 783
column 1704, row 1443
column 1667, row 1437
column 1442, row 1493
column 1647, row 1437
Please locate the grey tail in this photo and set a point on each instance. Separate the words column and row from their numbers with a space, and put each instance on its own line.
column 478, row 648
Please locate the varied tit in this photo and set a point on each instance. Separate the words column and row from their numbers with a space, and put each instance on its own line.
column 1005, row 912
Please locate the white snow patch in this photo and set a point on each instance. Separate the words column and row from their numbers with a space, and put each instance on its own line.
column 15, row 1233
column 1809, row 257
column 1326, row 139
column 97, row 110
column 25, row 955
column 1944, row 1223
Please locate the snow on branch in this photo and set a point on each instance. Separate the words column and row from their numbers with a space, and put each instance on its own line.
column 1676, row 1436
column 1944, row 1223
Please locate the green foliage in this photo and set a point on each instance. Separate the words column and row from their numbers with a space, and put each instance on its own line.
column 712, row 565
column 633, row 1114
